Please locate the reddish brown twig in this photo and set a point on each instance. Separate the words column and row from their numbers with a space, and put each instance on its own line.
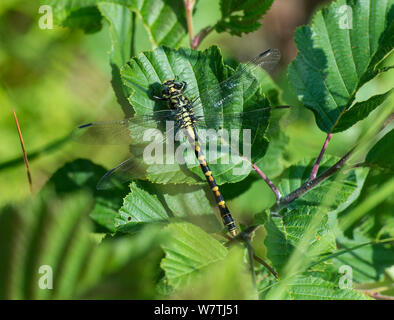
column 376, row 295
column 270, row 184
column 266, row 265
column 318, row 160
column 310, row 184
column 200, row 37
column 189, row 5
column 24, row 153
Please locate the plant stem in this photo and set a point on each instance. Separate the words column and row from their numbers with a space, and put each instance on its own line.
column 189, row 5
column 200, row 37
column 245, row 237
column 310, row 184
column 266, row 265
column 251, row 261
column 268, row 182
column 24, row 153
column 318, row 160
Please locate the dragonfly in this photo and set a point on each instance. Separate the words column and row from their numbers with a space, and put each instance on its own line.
column 189, row 111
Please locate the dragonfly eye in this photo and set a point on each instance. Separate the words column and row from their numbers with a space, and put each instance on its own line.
column 178, row 86
column 168, row 82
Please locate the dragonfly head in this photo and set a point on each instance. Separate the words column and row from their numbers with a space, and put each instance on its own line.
column 172, row 88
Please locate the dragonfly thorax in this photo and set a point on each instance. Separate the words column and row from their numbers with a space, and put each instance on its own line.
column 172, row 89
column 173, row 92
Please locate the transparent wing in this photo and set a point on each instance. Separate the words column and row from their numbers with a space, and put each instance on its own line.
column 216, row 96
column 121, row 131
column 238, row 120
column 229, row 135
column 130, row 169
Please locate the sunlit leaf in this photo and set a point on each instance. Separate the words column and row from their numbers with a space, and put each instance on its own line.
column 380, row 155
column 367, row 263
column 239, row 16
column 150, row 203
column 311, row 288
column 164, row 21
column 188, row 252
column 337, row 55
column 284, row 234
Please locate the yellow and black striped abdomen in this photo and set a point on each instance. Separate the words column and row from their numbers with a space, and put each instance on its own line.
column 228, row 220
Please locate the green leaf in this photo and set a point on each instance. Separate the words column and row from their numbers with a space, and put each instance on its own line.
column 201, row 70
column 361, row 110
column 240, row 16
column 84, row 174
column 334, row 61
column 164, row 20
column 55, row 232
column 53, row 229
column 120, row 19
column 140, row 206
column 188, row 251
column 381, row 154
column 37, row 234
column 312, row 288
column 75, row 175
column 284, row 234
column 368, row 262
column 381, row 194
column 81, row 14
column 151, row 203
column 213, row 282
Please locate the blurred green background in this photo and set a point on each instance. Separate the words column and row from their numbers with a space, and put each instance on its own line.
column 58, row 79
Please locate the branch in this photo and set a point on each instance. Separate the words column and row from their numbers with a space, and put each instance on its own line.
column 310, row 184
column 189, row 5
column 251, row 256
column 270, row 184
column 200, row 37
column 375, row 292
column 245, row 237
column 266, row 265
column 318, row 160
column 24, row 153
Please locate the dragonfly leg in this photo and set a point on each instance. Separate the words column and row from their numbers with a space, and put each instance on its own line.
column 159, row 98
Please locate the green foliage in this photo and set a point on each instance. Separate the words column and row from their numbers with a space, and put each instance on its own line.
column 368, row 262
column 187, row 252
column 311, row 288
column 163, row 20
column 54, row 230
column 379, row 156
column 150, row 203
column 160, row 237
column 285, row 234
column 334, row 62
column 240, row 16
column 213, row 282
